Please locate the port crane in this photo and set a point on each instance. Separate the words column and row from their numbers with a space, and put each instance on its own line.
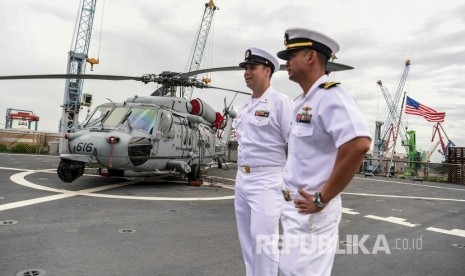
column 393, row 125
column 77, row 58
column 25, row 117
column 200, row 42
column 439, row 130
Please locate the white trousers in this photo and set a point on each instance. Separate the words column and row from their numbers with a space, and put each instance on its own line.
column 258, row 204
column 309, row 240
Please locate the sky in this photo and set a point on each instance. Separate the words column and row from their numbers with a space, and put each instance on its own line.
column 135, row 37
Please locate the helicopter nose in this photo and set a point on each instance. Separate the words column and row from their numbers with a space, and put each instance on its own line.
column 123, row 147
column 115, row 149
column 112, row 150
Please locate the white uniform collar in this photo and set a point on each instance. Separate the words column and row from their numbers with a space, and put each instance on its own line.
column 314, row 87
column 264, row 97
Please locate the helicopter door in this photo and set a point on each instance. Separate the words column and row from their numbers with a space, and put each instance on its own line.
column 186, row 136
column 166, row 125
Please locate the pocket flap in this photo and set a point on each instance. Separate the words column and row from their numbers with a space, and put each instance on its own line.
column 303, row 130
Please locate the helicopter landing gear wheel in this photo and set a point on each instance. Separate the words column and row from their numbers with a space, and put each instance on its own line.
column 194, row 175
column 68, row 171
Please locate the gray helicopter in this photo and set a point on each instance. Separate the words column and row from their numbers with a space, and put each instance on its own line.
column 160, row 134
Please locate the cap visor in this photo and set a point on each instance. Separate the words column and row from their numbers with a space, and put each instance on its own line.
column 242, row 64
column 284, row 54
column 330, row 67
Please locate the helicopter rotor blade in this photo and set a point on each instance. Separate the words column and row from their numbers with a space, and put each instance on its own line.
column 331, row 66
column 334, row 67
column 70, row 76
column 230, row 90
column 217, row 69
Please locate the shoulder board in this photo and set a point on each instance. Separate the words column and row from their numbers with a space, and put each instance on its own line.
column 328, row 85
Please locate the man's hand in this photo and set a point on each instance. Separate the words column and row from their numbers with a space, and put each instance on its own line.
column 306, row 205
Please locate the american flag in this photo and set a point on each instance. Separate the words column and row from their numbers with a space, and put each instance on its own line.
column 415, row 108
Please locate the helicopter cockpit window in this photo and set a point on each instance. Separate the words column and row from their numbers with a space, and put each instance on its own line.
column 142, row 119
column 115, row 117
column 166, row 125
column 97, row 117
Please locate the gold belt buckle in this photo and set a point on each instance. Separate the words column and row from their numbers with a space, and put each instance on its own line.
column 287, row 195
column 246, row 169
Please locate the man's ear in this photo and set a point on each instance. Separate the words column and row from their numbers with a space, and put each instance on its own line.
column 269, row 70
column 311, row 55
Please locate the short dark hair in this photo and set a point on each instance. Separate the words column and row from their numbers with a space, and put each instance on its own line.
column 320, row 56
column 322, row 59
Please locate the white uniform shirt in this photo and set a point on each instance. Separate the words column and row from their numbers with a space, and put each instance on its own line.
column 322, row 121
column 262, row 129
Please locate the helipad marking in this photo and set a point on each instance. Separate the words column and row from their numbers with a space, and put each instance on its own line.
column 407, row 197
column 28, row 202
column 349, row 211
column 161, row 198
column 455, row 232
column 64, row 194
column 19, row 178
column 406, row 183
column 396, row 220
column 13, row 169
column 391, row 196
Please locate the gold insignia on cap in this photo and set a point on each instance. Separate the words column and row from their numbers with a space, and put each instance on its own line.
column 299, row 44
column 248, row 53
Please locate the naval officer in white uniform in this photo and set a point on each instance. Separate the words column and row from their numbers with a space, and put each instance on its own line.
column 262, row 129
column 327, row 144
